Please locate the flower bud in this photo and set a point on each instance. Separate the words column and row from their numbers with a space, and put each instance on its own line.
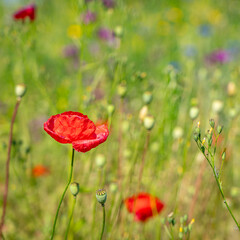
column 177, row 133
column 231, row 89
column 143, row 113
column 101, row 196
column 193, row 112
column 217, row 106
column 74, row 188
column 224, row 155
column 148, row 122
column 147, row 97
column 195, row 136
column 219, row 129
column 122, row 90
column 100, row 160
column 110, row 109
column 20, row 90
column 118, row 31
column 212, row 123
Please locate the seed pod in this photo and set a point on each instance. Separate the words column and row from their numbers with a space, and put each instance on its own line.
column 193, row 112
column 20, row 90
column 147, row 97
column 148, row 122
column 101, row 196
column 74, row 188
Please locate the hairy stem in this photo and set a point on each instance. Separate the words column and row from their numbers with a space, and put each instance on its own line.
column 65, row 190
column 103, row 222
column 70, row 218
column 5, row 194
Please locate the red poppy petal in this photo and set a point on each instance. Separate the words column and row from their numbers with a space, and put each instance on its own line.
column 143, row 206
column 86, row 145
column 28, row 11
column 70, row 126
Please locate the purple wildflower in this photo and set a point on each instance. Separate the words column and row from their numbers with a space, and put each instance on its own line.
column 108, row 3
column 89, row 17
column 106, row 34
column 219, row 56
column 70, row 51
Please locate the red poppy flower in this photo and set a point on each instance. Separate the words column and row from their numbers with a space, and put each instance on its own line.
column 27, row 11
column 39, row 171
column 77, row 129
column 144, row 206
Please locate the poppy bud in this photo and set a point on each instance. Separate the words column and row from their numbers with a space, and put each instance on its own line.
column 110, row 109
column 118, row 31
column 74, row 188
column 20, row 90
column 212, row 123
column 231, row 89
column 122, row 90
column 100, row 160
column 101, row 196
column 217, row 106
column 147, row 97
column 193, row 113
column 219, row 129
column 148, row 122
column 143, row 112
column 177, row 133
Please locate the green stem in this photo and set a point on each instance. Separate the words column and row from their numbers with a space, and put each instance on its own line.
column 59, row 205
column 224, row 199
column 70, row 218
column 103, row 222
column 220, row 189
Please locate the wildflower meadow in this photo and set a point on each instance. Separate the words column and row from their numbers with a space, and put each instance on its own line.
column 119, row 120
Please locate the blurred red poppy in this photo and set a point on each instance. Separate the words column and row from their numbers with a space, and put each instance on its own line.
column 143, row 206
column 77, row 129
column 40, row 170
column 27, row 11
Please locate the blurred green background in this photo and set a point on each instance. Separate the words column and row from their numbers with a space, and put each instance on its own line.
column 185, row 52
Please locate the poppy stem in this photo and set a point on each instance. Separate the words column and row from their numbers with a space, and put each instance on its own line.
column 70, row 218
column 103, row 222
column 5, row 195
column 65, row 190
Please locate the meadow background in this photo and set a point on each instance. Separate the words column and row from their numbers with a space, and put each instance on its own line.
column 169, row 48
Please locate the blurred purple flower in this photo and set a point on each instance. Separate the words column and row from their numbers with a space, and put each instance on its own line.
column 106, row 34
column 89, row 17
column 108, row 3
column 219, row 56
column 70, row 51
